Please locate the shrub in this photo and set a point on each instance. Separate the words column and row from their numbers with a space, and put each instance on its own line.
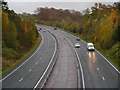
column 9, row 53
column 116, row 51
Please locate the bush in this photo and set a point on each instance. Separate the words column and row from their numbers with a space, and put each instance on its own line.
column 9, row 53
column 116, row 51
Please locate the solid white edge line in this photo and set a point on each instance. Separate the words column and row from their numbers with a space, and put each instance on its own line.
column 83, row 82
column 23, row 62
column 47, row 66
column 105, row 59
column 108, row 62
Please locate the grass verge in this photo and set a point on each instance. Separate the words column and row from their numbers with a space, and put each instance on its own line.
column 104, row 52
column 5, row 71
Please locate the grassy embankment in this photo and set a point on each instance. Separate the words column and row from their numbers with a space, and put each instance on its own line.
column 24, row 57
column 104, row 52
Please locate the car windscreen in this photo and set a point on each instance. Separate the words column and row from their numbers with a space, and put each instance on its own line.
column 90, row 46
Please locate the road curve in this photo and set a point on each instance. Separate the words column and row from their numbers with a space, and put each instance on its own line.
column 64, row 74
column 97, row 70
column 98, row 73
column 28, row 72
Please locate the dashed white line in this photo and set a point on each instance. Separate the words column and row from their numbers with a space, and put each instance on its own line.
column 25, row 61
column 97, row 68
column 36, row 62
column 108, row 62
column 20, row 79
column 103, row 78
column 30, row 70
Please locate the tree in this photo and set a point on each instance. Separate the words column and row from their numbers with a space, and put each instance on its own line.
column 4, row 5
column 86, row 12
column 11, row 38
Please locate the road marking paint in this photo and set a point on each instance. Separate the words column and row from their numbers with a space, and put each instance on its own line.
column 83, row 81
column 47, row 66
column 24, row 61
column 36, row 62
column 108, row 62
column 103, row 78
column 30, row 70
column 87, row 52
column 20, row 79
column 98, row 69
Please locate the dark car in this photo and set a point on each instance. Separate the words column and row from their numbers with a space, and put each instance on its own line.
column 55, row 28
column 78, row 39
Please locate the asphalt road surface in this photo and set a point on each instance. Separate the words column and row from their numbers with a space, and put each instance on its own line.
column 28, row 74
column 97, row 70
column 64, row 74
column 98, row 73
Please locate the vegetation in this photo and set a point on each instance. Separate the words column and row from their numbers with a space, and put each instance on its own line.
column 101, row 25
column 19, row 38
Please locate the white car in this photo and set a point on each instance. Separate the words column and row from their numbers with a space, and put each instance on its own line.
column 90, row 46
column 77, row 45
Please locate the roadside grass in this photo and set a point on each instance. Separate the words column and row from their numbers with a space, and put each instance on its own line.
column 24, row 57
column 104, row 52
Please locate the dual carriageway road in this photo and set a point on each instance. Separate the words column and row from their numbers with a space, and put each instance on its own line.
column 90, row 70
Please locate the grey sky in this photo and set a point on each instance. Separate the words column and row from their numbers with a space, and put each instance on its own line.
column 29, row 7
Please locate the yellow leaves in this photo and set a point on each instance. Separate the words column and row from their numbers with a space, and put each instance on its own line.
column 88, row 22
column 95, row 20
column 25, row 27
column 22, row 19
column 101, row 23
column 95, row 38
column 104, row 15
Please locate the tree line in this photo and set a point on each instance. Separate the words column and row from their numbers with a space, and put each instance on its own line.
column 100, row 25
column 18, row 35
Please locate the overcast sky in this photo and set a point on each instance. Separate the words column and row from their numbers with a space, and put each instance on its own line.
column 29, row 6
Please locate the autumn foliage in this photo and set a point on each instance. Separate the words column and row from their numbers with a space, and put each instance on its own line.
column 101, row 25
column 18, row 36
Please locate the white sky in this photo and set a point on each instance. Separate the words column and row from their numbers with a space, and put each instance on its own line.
column 29, row 6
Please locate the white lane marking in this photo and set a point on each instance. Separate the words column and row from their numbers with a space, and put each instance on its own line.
column 98, row 69
column 79, row 64
column 23, row 62
column 87, row 52
column 40, row 58
column 20, row 79
column 30, row 70
column 47, row 66
column 36, row 62
column 108, row 62
column 103, row 78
